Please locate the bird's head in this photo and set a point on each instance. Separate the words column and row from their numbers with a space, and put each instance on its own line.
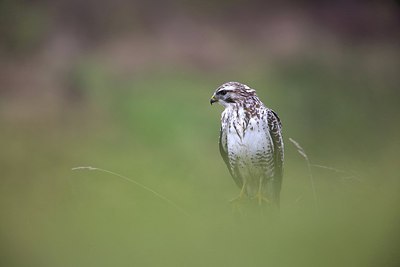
column 231, row 93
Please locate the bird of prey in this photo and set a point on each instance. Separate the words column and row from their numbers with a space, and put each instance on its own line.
column 250, row 142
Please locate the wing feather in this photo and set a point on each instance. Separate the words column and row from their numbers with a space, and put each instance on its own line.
column 275, row 130
column 223, row 149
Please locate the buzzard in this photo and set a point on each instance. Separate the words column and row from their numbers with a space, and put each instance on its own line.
column 250, row 142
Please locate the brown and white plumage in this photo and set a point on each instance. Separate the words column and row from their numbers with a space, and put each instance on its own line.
column 250, row 142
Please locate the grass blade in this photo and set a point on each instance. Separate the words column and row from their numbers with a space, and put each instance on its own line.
column 136, row 183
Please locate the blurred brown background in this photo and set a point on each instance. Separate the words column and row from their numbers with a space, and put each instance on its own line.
column 44, row 42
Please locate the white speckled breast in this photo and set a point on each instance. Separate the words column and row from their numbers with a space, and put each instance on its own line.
column 249, row 146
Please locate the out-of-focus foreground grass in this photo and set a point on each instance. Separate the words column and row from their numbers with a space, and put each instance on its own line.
column 160, row 130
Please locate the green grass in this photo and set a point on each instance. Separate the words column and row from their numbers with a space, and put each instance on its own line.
column 160, row 131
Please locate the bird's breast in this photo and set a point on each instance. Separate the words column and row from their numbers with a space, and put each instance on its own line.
column 249, row 142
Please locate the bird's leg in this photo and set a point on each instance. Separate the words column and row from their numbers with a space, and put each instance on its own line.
column 260, row 197
column 237, row 201
column 242, row 192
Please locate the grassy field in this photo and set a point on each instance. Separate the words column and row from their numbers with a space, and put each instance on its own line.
column 159, row 129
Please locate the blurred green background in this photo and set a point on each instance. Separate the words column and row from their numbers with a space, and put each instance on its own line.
column 125, row 86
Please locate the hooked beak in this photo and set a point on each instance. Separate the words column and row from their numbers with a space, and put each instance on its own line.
column 213, row 99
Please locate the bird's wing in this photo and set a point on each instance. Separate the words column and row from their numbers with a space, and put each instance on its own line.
column 223, row 149
column 275, row 130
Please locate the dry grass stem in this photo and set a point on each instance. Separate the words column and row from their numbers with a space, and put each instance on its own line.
column 136, row 183
column 302, row 152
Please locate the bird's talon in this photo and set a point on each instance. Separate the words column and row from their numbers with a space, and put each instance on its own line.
column 237, row 199
column 260, row 198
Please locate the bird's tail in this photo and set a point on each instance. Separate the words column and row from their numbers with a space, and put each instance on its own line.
column 273, row 189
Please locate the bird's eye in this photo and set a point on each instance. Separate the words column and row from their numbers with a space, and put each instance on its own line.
column 222, row 92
